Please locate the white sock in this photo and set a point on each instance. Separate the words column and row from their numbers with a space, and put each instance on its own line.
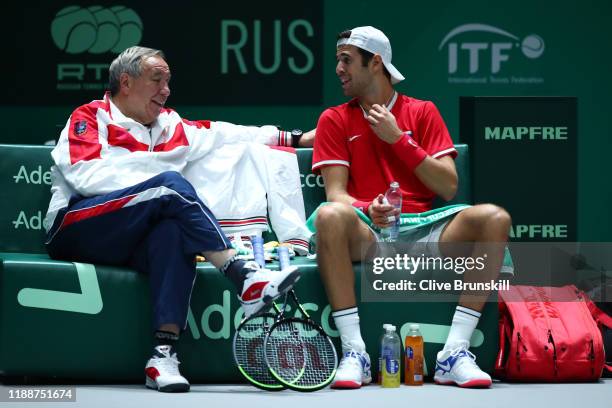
column 347, row 322
column 462, row 327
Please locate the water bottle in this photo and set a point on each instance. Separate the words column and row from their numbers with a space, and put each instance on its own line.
column 258, row 250
column 393, row 196
column 413, row 374
column 391, row 349
column 283, row 257
column 380, row 356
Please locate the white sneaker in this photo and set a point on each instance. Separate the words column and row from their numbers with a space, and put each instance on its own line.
column 353, row 371
column 162, row 373
column 458, row 366
column 263, row 286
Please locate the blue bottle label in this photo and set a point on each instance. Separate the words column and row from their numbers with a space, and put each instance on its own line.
column 392, row 366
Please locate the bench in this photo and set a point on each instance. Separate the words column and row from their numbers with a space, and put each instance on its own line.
column 93, row 322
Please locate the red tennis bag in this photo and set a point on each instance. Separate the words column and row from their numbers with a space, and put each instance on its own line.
column 548, row 334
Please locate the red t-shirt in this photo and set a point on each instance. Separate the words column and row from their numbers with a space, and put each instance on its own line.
column 345, row 138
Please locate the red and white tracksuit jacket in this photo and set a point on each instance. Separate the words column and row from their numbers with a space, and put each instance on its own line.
column 101, row 150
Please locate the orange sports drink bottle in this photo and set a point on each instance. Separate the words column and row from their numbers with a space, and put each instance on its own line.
column 413, row 374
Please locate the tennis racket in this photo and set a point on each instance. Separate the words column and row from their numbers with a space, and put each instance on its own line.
column 248, row 342
column 248, row 349
column 297, row 351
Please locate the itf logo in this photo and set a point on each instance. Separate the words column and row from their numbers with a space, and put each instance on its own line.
column 481, row 50
column 96, row 29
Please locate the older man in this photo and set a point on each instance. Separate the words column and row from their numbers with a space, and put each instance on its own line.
column 119, row 198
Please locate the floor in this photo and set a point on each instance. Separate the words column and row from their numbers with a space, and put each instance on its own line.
column 429, row 395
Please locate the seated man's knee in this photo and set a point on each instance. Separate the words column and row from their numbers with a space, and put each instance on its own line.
column 173, row 180
column 493, row 217
column 169, row 177
column 334, row 217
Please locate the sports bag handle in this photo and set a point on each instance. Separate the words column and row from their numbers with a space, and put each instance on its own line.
column 600, row 317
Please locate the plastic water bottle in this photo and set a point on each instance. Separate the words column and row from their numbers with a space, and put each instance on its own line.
column 283, row 257
column 391, row 349
column 258, row 250
column 393, row 196
column 380, row 356
column 413, row 374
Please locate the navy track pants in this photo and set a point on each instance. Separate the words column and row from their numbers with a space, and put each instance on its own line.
column 156, row 227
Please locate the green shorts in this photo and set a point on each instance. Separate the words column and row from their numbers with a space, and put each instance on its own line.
column 425, row 227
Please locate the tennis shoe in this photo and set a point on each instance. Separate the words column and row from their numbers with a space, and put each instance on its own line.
column 458, row 366
column 262, row 286
column 162, row 373
column 353, row 371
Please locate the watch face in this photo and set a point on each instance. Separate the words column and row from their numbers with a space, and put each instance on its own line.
column 296, row 132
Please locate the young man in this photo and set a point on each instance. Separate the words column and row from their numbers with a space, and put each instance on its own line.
column 361, row 147
column 120, row 198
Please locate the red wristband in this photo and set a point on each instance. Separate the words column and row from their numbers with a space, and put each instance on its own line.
column 362, row 205
column 409, row 150
column 284, row 138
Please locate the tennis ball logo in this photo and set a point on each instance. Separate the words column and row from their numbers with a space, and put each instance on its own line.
column 532, row 46
column 96, row 29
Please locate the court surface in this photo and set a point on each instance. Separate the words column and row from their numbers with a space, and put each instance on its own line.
column 430, row 395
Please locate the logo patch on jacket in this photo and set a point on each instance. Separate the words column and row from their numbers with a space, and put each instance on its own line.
column 80, row 127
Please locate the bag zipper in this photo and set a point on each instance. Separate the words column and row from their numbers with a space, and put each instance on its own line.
column 592, row 357
column 552, row 341
column 518, row 353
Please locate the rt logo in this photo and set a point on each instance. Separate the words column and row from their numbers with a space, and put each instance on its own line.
column 96, row 29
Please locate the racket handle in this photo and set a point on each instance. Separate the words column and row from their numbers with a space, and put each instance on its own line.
column 258, row 250
column 283, row 257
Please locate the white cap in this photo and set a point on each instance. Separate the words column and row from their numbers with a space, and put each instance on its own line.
column 414, row 326
column 375, row 41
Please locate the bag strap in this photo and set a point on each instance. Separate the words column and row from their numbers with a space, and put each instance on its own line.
column 600, row 317
column 501, row 357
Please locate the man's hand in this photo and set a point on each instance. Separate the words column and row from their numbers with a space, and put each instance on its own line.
column 383, row 124
column 381, row 213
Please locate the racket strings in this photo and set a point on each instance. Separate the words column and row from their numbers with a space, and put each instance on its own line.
column 249, row 350
column 300, row 355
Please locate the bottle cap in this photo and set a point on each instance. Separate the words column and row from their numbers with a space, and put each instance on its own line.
column 391, row 328
column 414, row 326
column 386, row 325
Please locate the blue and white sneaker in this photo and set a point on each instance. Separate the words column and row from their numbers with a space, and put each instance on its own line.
column 458, row 366
column 353, row 371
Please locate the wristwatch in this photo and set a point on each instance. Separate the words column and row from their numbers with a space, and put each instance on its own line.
column 296, row 134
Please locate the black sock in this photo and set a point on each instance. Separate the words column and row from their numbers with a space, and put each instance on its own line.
column 234, row 270
column 166, row 338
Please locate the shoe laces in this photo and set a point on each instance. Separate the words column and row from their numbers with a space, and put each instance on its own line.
column 169, row 364
column 253, row 267
column 471, row 358
column 350, row 359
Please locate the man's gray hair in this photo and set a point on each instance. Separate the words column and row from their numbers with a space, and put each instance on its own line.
column 129, row 61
